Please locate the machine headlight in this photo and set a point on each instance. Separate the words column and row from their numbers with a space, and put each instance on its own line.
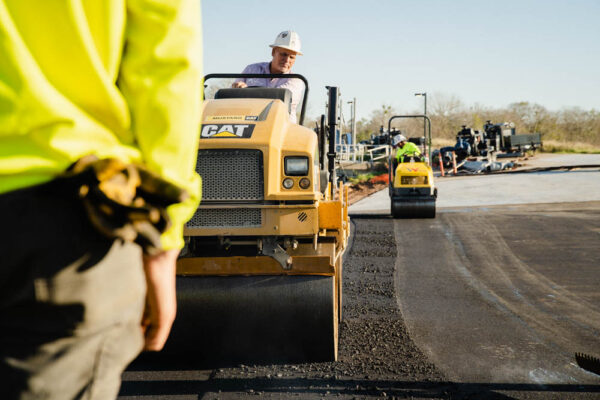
column 304, row 183
column 296, row 166
column 288, row 183
column 413, row 180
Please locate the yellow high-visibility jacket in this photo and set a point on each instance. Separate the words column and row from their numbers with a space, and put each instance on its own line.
column 409, row 149
column 115, row 78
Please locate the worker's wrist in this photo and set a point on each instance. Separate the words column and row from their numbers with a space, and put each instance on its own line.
column 165, row 257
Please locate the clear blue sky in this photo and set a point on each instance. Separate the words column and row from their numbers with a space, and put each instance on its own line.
column 383, row 51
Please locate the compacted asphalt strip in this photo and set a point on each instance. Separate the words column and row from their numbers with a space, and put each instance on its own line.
column 504, row 294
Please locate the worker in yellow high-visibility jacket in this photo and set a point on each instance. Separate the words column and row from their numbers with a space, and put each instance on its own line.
column 120, row 80
column 404, row 148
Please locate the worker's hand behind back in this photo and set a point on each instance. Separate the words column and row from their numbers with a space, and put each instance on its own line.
column 161, row 303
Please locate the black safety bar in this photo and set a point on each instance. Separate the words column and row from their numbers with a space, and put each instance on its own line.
column 427, row 139
column 332, row 109
column 268, row 76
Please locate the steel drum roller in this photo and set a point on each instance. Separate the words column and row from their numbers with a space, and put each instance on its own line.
column 413, row 208
column 255, row 319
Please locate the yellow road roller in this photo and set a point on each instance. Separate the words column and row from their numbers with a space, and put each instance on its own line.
column 260, row 277
column 411, row 187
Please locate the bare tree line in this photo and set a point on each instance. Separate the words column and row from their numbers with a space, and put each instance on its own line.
column 448, row 114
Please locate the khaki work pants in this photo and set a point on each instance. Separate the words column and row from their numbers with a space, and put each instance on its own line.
column 71, row 301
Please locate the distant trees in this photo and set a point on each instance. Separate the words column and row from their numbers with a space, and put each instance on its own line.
column 575, row 124
column 448, row 114
column 378, row 118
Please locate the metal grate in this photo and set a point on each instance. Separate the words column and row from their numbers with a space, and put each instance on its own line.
column 226, row 217
column 231, row 174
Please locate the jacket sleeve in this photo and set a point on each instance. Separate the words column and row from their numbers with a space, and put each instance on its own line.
column 415, row 149
column 161, row 80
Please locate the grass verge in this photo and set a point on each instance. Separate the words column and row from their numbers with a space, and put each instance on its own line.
column 553, row 146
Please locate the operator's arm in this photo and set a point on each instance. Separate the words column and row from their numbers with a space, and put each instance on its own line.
column 409, row 149
column 161, row 79
column 401, row 151
column 241, row 82
column 413, row 149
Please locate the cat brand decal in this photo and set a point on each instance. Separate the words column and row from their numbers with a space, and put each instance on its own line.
column 210, row 131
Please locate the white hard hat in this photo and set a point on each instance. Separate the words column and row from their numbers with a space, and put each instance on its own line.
column 288, row 40
column 398, row 139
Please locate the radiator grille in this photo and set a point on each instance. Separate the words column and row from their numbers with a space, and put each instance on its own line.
column 231, row 174
column 226, row 217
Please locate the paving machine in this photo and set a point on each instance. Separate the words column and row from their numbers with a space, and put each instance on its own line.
column 260, row 277
column 411, row 187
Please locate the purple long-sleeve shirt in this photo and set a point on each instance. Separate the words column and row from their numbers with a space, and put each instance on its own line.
column 295, row 85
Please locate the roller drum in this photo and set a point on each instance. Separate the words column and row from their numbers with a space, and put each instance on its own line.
column 413, row 208
column 255, row 319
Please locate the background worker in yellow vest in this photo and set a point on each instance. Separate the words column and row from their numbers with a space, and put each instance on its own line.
column 404, row 148
column 99, row 117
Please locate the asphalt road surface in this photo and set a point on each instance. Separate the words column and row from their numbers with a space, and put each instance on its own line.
column 505, row 294
column 490, row 300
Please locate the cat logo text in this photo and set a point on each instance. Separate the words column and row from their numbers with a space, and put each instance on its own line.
column 218, row 131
